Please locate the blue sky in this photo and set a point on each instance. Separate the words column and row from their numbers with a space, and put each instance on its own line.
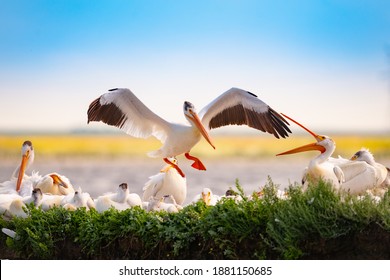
column 323, row 63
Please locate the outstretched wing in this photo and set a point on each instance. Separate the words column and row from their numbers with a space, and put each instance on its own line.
column 240, row 107
column 121, row 108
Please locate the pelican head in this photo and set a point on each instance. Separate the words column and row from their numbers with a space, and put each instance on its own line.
column 364, row 155
column 168, row 198
column 123, row 186
column 166, row 168
column 27, row 159
column 192, row 116
column 37, row 196
column 206, row 196
column 323, row 143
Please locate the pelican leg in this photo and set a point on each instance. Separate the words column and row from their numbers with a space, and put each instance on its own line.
column 197, row 163
column 175, row 166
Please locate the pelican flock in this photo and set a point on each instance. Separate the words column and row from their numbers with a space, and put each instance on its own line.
column 167, row 189
column 356, row 175
column 23, row 184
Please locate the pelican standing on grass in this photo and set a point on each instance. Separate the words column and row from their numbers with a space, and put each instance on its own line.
column 119, row 107
column 382, row 172
column 355, row 177
column 167, row 182
column 379, row 171
column 320, row 166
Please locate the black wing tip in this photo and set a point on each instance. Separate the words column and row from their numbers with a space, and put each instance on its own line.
column 93, row 107
column 252, row 94
column 113, row 89
column 279, row 123
column 107, row 113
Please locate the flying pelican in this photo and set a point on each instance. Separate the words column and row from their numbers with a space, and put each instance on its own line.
column 119, row 107
column 320, row 166
column 167, row 182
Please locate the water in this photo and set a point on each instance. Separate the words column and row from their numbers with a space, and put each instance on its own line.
column 98, row 176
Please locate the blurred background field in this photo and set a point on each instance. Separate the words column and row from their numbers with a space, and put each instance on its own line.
column 99, row 163
column 243, row 146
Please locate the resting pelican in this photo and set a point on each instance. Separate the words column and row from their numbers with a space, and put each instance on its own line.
column 48, row 201
column 13, row 205
column 165, row 203
column 22, row 184
column 208, row 197
column 356, row 177
column 382, row 172
column 77, row 200
column 120, row 200
column 54, row 183
column 320, row 166
column 362, row 174
column 167, row 182
column 119, row 107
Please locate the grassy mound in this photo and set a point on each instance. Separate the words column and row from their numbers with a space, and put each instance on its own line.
column 316, row 224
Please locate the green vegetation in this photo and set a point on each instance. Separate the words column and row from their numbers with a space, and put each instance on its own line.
column 316, row 224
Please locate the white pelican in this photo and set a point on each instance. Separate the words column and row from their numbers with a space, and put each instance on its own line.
column 153, row 204
column 121, row 108
column 208, row 197
column 77, row 200
column 320, row 166
column 120, row 200
column 356, row 177
column 167, row 182
column 13, row 205
column 49, row 201
column 361, row 174
column 54, row 183
column 165, row 203
column 382, row 172
column 27, row 160
column 170, row 205
column 22, row 184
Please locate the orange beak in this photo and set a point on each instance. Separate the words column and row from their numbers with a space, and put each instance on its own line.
column 57, row 180
column 315, row 135
column 22, row 169
column 309, row 147
column 168, row 166
column 206, row 198
column 201, row 128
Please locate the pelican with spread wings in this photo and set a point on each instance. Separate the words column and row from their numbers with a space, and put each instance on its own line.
column 119, row 107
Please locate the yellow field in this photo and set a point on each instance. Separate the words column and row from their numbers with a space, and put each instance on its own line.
column 226, row 146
